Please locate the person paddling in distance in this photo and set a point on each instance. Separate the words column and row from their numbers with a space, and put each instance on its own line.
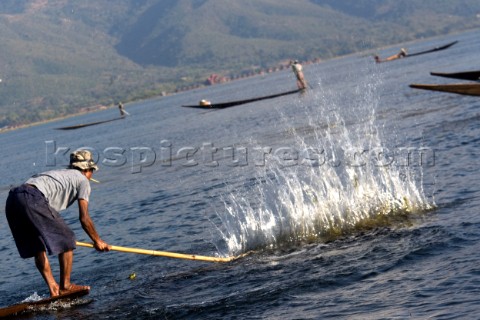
column 298, row 71
column 402, row 54
column 32, row 211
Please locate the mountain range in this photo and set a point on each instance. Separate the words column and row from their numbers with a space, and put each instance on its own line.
column 60, row 57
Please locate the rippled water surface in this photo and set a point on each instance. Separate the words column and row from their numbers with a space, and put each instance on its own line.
column 357, row 199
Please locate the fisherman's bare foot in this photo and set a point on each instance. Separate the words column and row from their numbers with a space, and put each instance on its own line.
column 73, row 287
column 54, row 291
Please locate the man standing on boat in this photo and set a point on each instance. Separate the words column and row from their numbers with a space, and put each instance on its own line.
column 123, row 113
column 298, row 71
column 32, row 211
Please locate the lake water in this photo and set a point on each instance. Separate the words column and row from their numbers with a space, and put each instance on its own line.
column 356, row 200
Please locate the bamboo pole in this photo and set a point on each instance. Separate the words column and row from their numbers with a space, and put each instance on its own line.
column 165, row 253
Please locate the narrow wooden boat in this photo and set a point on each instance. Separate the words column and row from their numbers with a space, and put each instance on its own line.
column 403, row 54
column 448, row 45
column 471, row 89
column 82, row 125
column 239, row 102
column 467, row 75
column 24, row 306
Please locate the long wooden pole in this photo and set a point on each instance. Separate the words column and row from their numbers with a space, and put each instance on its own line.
column 165, row 253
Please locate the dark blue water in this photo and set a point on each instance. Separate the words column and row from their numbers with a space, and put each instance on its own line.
column 356, row 200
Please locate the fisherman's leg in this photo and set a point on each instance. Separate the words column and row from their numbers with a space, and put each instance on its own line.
column 299, row 84
column 43, row 265
column 65, row 260
column 303, row 82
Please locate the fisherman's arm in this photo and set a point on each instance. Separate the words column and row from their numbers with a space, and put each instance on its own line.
column 89, row 227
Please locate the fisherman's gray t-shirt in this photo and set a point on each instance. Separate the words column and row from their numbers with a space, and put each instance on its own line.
column 62, row 187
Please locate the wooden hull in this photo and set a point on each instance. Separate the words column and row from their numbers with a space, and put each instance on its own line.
column 239, row 102
column 18, row 308
column 448, row 45
column 396, row 57
column 82, row 125
column 467, row 75
column 471, row 89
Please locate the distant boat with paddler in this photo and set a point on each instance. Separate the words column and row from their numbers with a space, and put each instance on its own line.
column 82, row 125
column 204, row 104
column 403, row 53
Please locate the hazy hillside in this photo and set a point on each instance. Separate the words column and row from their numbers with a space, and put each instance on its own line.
column 60, row 56
column 213, row 33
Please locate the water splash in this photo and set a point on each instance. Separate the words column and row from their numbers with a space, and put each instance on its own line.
column 348, row 180
column 34, row 297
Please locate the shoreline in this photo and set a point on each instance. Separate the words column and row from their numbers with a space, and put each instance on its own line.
column 87, row 110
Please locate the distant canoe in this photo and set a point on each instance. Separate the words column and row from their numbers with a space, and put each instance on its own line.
column 467, row 75
column 82, row 125
column 401, row 56
column 470, row 89
column 448, row 45
column 239, row 102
